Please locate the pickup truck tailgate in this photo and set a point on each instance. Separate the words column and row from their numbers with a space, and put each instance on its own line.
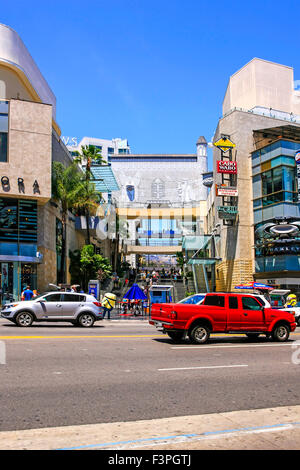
column 162, row 312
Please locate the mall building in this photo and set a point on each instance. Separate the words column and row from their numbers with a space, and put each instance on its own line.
column 161, row 197
column 30, row 221
column 253, row 203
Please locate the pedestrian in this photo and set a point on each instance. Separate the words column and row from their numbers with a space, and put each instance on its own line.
column 116, row 281
column 108, row 303
column 22, row 293
column 73, row 289
column 28, row 293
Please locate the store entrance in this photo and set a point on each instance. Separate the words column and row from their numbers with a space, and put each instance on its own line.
column 7, row 282
column 14, row 277
column 28, row 276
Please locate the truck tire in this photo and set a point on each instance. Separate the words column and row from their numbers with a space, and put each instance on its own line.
column 24, row 319
column 281, row 333
column 199, row 334
column 175, row 336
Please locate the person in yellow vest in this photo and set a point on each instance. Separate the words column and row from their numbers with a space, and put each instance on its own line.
column 108, row 303
column 291, row 301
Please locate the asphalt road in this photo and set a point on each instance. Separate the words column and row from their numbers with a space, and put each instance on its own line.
column 59, row 375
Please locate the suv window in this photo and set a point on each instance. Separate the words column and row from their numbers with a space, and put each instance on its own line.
column 233, row 302
column 53, row 298
column 250, row 304
column 73, row 298
column 215, row 300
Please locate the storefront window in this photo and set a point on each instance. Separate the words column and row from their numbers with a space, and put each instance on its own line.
column 278, row 185
column 7, row 280
column 28, row 275
column 3, row 130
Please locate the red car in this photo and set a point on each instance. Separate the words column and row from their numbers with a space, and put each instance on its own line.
column 222, row 313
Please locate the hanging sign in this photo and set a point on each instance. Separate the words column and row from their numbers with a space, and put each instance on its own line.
column 224, row 144
column 297, row 159
column 226, row 166
column 227, row 212
column 226, row 191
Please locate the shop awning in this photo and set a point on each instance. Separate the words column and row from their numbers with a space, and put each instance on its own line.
column 203, row 261
column 104, row 178
column 197, row 242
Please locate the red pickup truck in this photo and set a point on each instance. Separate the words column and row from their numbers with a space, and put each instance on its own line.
column 224, row 313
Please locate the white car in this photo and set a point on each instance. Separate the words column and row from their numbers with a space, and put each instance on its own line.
column 296, row 310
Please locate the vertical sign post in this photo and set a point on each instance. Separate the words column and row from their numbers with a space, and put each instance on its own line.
column 297, row 159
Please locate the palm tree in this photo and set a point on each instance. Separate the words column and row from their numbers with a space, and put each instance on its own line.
column 65, row 182
column 87, row 200
column 90, row 154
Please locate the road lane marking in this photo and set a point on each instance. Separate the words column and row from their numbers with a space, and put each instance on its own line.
column 204, row 367
column 167, row 440
column 218, row 346
column 78, row 336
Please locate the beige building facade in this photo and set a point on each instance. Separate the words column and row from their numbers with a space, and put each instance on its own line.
column 29, row 143
column 259, row 96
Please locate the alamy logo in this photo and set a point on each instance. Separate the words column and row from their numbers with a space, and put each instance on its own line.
column 2, row 353
column 296, row 353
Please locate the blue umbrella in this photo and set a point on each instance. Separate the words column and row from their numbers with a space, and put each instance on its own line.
column 135, row 293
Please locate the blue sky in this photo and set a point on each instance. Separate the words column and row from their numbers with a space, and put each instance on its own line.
column 154, row 72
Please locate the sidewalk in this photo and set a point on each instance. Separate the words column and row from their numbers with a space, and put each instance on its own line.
column 262, row 429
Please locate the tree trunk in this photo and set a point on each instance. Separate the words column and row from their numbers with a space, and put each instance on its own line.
column 88, row 235
column 62, row 273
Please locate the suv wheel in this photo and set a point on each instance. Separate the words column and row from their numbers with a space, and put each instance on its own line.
column 199, row 334
column 281, row 333
column 86, row 320
column 24, row 319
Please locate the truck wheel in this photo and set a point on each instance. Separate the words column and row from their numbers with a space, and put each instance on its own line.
column 281, row 333
column 176, row 336
column 24, row 319
column 86, row 320
column 199, row 334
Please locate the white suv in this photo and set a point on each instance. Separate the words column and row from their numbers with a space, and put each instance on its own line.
column 79, row 309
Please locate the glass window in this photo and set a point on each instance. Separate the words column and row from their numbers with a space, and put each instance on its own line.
column 267, row 186
column 256, row 158
column 250, row 304
column 233, row 302
column 72, row 298
column 52, row 298
column 192, row 300
column 3, row 147
column 257, row 203
column 289, row 178
column 3, row 123
column 256, row 186
column 215, row 300
column 277, row 179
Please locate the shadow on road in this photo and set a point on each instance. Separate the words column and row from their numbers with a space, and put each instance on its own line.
column 222, row 341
